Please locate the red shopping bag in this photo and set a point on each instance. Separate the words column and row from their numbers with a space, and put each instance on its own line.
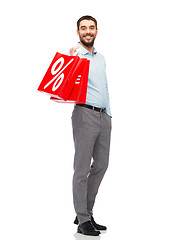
column 79, row 90
column 62, row 76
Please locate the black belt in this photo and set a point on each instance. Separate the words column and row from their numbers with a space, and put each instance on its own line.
column 92, row 107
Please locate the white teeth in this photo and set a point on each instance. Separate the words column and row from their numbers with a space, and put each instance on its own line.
column 88, row 37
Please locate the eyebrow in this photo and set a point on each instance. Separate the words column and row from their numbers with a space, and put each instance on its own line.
column 89, row 26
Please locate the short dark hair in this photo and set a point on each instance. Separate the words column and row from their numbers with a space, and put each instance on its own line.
column 87, row 17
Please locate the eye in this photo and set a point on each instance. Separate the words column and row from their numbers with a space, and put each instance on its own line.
column 92, row 27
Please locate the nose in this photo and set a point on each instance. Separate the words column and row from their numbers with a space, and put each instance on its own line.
column 88, row 30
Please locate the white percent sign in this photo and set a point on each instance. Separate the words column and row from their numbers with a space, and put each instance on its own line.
column 58, row 72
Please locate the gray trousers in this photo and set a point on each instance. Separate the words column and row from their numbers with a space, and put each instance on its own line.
column 91, row 133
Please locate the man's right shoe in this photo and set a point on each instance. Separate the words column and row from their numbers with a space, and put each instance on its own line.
column 87, row 228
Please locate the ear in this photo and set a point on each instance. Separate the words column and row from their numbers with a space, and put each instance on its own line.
column 78, row 32
column 96, row 32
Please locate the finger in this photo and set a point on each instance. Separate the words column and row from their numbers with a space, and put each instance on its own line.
column 73, row 48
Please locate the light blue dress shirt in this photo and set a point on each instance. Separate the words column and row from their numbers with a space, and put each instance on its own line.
column 97, row 89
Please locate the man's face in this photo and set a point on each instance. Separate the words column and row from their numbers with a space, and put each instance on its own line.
column 87, row 32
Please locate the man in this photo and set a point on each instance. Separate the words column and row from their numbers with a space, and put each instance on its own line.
column 91, row 124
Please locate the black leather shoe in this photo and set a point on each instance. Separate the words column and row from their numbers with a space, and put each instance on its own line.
column 87, row 228
column 97, row 226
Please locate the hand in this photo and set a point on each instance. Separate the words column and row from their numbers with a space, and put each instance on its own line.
column 73, row 50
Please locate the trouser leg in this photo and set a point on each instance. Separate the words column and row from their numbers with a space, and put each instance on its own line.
column 85, row 132
column 100, row 163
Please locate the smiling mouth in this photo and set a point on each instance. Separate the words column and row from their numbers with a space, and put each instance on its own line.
column 88, row 37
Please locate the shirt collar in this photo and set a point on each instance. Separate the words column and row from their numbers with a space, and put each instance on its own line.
column 85, row 51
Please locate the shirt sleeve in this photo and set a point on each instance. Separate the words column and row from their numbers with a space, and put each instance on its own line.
column 108, row 110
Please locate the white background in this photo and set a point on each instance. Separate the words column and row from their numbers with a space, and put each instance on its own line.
column 136, row 197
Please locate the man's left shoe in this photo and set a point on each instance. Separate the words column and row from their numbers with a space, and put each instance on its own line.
column 97, row 226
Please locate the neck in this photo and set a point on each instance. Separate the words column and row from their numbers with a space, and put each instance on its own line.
column 90, row 49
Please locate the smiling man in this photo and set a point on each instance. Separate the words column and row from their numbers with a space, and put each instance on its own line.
column 87, row 32
column 91, row 124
